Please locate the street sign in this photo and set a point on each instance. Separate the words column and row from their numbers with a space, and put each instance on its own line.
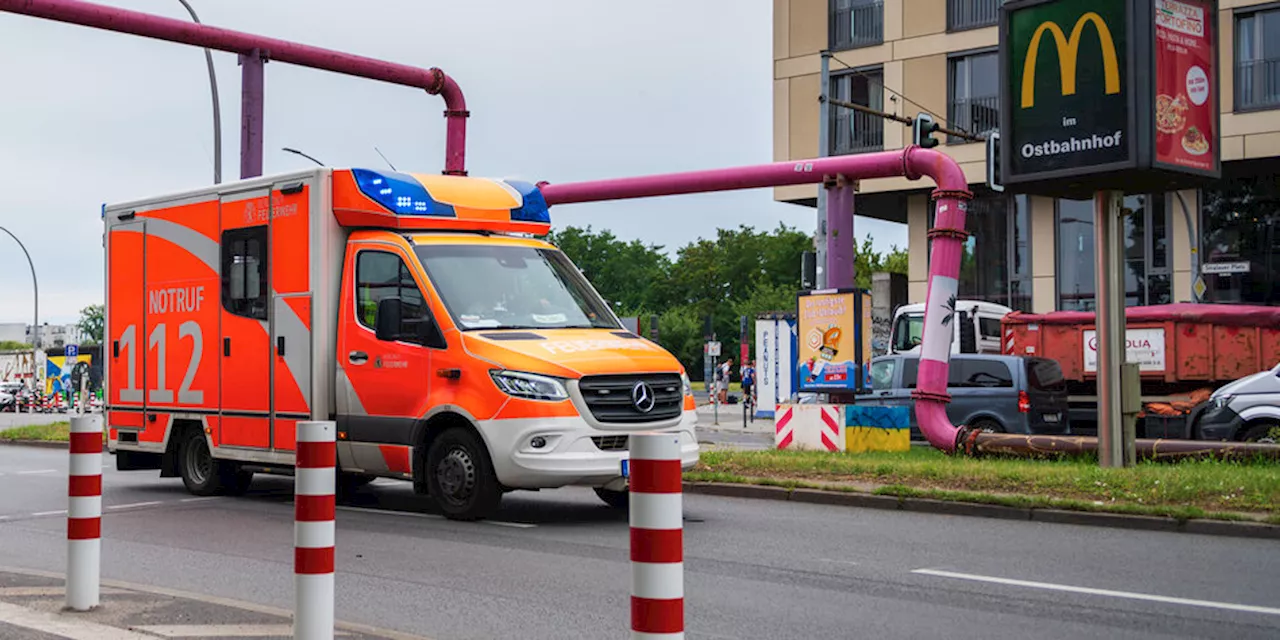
column 1199, row 287
column 713, row 349
column 1108, row 95
column 1224, row 267
column 73, row 351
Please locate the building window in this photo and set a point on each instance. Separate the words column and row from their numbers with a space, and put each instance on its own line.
column 244, row 272
column 974, row 104
column 854, row 131
column 856, row 23
column 996, row 263
column 1241, row 227
column 972, row 14
column 1147, row 263
column 1258, row 59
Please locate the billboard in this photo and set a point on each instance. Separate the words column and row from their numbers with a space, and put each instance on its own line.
column 834, row 346
column 775, row 362
column 1108, row 94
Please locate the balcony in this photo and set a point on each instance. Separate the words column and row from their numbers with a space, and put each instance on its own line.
column 856, row 23
column 972, row 14
column 855, row 132
column 977, row 115
column 1258, row 84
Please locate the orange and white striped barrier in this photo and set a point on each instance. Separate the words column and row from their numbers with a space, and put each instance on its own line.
column 84, row 514
column 809, row 426
column 314, row 508
column 657, row 537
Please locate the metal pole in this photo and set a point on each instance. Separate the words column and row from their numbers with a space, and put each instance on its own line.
column 251, row 114
column 1110, row 325
column 657, row 537
column 824, row 150
column 840, row 241
column 35, row 322
column 1193, row 238
column 217, row 109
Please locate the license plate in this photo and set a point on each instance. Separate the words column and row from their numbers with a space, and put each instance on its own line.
column 626, row 469
column 1050, row 417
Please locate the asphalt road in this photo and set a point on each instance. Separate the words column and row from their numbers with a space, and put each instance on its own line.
column 554, row 564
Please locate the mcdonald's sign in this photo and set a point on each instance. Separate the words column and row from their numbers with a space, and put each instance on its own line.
column 1079, row 91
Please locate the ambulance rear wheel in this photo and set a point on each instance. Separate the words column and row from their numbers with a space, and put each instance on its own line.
column 460, row 476
column 199, row 471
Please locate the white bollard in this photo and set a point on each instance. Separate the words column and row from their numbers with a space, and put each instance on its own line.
column 657, row 537
column 314, row 508
column 84, row 513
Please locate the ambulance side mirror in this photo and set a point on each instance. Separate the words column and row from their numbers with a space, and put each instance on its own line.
column 388, row 320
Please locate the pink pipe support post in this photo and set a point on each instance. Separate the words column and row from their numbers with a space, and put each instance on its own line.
column 952, row 196
column 251, row 106
column 841, row 244
column 433, row 80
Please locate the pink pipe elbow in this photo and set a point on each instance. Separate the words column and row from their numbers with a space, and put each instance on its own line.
column 952, row 196
column 456, row 114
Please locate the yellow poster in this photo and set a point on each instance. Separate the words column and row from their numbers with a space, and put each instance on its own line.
column 826, row 358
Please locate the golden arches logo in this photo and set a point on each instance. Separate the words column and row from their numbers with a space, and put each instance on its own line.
column 1068, row 49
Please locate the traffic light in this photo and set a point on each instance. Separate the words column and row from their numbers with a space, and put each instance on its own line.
column 993, row 162
column 923, row 131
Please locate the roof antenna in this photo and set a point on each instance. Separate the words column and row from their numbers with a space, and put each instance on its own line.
column 384, row 158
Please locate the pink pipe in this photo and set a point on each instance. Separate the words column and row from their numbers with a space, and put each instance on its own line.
column 913, row 162
column 433, row 80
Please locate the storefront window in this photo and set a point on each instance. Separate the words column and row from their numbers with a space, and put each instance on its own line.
column 1146, row 253
column 1241, row 231
column 996, row 263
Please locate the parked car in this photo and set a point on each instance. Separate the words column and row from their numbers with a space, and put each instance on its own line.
column 1008, row 394
column 1247, row 409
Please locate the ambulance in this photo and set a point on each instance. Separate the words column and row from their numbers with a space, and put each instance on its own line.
column 452, row 347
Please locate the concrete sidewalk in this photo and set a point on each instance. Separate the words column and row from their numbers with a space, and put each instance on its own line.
column 31, row 608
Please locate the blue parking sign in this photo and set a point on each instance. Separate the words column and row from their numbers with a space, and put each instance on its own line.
column 73, row 351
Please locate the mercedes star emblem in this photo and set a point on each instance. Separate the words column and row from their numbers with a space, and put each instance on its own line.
column 642, row 397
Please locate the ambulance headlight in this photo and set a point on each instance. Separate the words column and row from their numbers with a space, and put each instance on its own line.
column 688, row 386
column 529, row 385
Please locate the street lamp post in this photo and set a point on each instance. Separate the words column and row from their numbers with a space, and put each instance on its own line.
column 217, row 110
column 296, row 152
column 35, row 323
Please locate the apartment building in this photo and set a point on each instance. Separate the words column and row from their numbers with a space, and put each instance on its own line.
column 1218, row 244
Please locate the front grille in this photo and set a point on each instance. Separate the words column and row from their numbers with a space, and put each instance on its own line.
column 609, row 397
column 610, row 443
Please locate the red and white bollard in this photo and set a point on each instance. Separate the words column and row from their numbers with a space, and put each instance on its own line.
column 657, row 538
column 314, row 505
column 84, row 513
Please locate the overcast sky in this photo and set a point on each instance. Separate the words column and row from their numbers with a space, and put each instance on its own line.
column 559, row 90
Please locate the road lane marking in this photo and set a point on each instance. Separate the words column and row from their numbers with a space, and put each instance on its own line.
column 134, row 505
column 28, row 473
column 513, row 525
column 199, row 499
column 40, row 514
column 1102, row 592
column 62, row 626
column 31, row 592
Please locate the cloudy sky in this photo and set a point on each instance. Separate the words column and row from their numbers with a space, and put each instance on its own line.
column 559, row 90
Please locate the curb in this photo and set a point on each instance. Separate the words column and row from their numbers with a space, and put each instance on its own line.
column 43, row 444
column 1201, row 526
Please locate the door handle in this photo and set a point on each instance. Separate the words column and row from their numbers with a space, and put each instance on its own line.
column 357, row 357
column 226, row 347
column 280, row 346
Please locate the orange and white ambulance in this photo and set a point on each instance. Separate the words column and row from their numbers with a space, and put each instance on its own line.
column 452, row 347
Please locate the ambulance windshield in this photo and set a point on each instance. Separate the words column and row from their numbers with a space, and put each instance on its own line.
column 509, row 287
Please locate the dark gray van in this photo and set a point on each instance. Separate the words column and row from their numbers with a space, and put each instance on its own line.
column 1009, row 394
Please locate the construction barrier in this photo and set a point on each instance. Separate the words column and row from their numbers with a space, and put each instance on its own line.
column 657, row 537
column 314, row 508
column 84, row 513
column 853, row 428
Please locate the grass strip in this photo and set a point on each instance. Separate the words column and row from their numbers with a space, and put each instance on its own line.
column 1161, row 488
column 56, row 432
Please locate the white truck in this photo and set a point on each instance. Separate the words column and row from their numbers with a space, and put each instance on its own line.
column 976, row 327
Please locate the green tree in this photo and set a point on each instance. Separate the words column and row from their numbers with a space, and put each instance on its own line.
column 630, row 275
column 91, row 323
column 14, row 345
column 680, row 332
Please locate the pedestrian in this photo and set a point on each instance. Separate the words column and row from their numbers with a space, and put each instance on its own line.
column 748, row 382
column 725, row 370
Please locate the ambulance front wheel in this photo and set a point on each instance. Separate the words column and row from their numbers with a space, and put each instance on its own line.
column 460, row 476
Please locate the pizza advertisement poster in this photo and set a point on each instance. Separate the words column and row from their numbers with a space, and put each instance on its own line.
column 1185, row 85
column 826, row 358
